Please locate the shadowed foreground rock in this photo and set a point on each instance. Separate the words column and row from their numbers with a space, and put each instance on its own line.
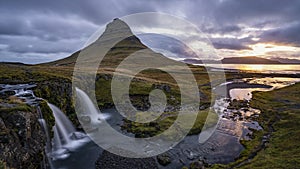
column 21, row 139
column 111, row 161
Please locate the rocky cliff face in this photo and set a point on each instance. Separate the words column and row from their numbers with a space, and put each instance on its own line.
column 21, row 138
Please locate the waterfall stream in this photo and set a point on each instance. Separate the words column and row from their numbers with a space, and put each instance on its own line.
column 59, row 150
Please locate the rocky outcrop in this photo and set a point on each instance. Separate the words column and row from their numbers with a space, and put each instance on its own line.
column 164, row 159
column 111, row 161
column 21, row 138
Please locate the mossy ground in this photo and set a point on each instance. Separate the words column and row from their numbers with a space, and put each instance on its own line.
column 166, row 120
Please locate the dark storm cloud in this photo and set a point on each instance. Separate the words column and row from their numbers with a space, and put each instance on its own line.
column 176, row 49
column 232, row 43
column 97, row 11
column 230, row 46
column 35, row 45
column 46, row 26
column 221, row 30
column 12, row 26
column 256, row 11
column 33, row 27
column 288, row 34
column 55, row 26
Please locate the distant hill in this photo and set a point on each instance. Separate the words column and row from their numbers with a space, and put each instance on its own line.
column 248, row 60
column 196, row 61
column 286, row 61
column 245, row 60
column 15, row 63
column 235, row 60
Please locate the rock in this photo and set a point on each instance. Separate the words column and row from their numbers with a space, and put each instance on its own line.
column 200, row 164
column 238, row 104
column 163, row 87
column 22, row 141
column 6, row 94
column 163, row 159
column 109, row 160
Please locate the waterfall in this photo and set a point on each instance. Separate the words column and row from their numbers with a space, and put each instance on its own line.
column 65, row 137
column 45, row 129
column 56, row 139
column 89, row 113
column 63, row 127
column 66, row 141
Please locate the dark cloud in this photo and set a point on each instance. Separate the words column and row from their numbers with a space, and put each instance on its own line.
column 256, row 11
column 176, row 49
column 222, row 30
column 232, row 43
column 230, row 46
column 288, row 34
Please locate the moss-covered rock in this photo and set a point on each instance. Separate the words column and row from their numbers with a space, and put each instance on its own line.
column 164, row 159
column 21, row 138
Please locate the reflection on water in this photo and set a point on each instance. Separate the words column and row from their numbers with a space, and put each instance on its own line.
column 244, row 94
column 261, row 68
column 276, row 82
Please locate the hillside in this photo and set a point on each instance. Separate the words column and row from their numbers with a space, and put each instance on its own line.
column 286, row 60
column 248, row 60
column 244, row 60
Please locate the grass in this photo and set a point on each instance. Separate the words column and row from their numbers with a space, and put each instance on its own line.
column 166, row 120
column 281, row 107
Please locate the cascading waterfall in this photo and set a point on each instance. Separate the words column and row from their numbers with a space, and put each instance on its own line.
column 65, row 137
column 45, row 128
column 63, row 127
column 67, row 144
column 88, row 110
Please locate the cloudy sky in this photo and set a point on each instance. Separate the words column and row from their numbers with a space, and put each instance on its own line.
column 34, row 31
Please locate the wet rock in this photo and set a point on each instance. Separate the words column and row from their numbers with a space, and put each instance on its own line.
column 163, row 159
column 163, row 87
column 200, row 164
column 238, row 104
column 6, row 94
column 111, row 161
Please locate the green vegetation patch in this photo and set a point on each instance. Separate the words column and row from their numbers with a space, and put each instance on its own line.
column 161, row 124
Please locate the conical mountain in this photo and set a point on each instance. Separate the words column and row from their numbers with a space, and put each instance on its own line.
column 115, row 44
column 117, row 29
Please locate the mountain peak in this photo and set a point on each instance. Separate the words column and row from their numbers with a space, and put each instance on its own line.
column 116, row 29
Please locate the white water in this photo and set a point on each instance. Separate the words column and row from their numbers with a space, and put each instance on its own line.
column 89, row 113
column 66, row 139
column 62, row 151
column 63, row 127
